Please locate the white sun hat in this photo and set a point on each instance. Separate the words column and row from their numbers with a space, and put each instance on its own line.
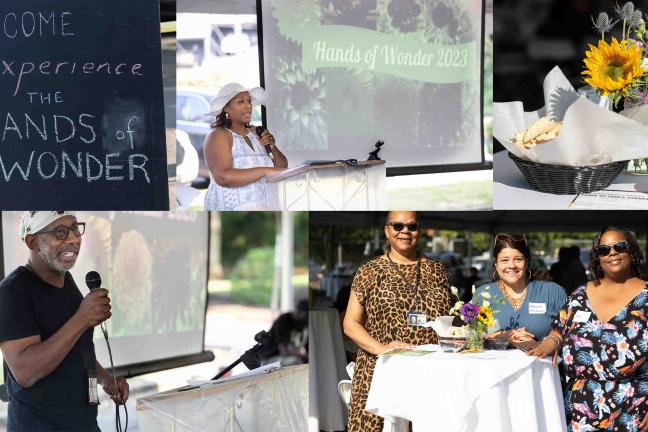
column 228, row 91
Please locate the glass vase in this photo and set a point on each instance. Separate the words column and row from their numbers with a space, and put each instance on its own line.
column 637, row 167
column 475, row 336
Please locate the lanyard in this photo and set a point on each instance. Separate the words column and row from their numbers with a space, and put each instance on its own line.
column 402, row 276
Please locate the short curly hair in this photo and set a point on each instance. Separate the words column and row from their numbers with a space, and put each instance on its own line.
column 637, row 257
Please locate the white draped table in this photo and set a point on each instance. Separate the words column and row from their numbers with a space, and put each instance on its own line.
column 490, row 391
column 271, row 402
column 327, row 361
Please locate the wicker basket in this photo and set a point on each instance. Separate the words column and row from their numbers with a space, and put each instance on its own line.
column 567, row 180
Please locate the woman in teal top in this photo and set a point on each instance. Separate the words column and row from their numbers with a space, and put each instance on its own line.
column 521, row 304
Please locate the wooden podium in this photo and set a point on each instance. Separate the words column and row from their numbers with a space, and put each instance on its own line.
column 332, row 186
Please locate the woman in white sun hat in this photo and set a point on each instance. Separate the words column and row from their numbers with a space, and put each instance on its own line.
column 238, row 159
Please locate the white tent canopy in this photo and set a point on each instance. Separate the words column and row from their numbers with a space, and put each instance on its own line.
column 217, row 7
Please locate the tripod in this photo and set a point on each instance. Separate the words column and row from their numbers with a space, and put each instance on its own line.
column 250, row 358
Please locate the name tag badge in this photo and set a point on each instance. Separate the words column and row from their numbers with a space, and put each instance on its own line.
column 416, row 318
column 582, row 316
column 93, row 393
column 537, row 308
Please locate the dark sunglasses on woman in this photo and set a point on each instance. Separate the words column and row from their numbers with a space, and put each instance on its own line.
column 400, row 226
column 619, row 247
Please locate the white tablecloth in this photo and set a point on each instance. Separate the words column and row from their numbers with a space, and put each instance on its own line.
column 327, row 359
column 271, row 402
column 491, row 391
column 511, row 191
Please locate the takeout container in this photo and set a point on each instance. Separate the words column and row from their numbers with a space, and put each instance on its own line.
column 496, row 344
column 442, row 326
column 451, row 345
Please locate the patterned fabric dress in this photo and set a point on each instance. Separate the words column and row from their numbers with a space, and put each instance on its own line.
column 254, row 196
column 387, row 299
column 606, row 368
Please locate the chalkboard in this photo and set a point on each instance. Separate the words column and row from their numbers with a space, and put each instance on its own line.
column 81, row 106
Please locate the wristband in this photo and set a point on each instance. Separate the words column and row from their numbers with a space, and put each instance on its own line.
column 554, row 338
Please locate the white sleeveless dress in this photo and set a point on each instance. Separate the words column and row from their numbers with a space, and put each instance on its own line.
column 254, row 196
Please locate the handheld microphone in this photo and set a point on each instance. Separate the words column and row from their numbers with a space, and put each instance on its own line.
column 259, row 131
column 93, row 281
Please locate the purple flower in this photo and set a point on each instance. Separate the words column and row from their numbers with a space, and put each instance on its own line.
column 644, row 99
column 469, row 312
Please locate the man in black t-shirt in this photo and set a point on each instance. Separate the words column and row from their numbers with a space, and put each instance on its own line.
column 46, row 329
column 288, row 338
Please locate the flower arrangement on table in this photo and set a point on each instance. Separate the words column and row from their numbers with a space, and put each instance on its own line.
column 577, row 143
column 618, row 70
column 478, row 318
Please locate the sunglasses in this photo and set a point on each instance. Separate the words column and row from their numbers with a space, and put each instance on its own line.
column 514, row 237
column 400, row 226
column 62, row 232
column 619, row 247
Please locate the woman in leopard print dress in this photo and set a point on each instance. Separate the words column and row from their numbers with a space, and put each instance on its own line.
column 382, row 294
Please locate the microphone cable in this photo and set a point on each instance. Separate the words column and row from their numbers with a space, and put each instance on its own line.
column 93, row 280
column 118, row 424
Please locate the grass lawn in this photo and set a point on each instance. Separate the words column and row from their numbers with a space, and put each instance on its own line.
column 221, row 286
column 477, row 195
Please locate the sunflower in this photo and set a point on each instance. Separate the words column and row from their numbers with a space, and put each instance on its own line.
column 613, row 67
column 486, row 316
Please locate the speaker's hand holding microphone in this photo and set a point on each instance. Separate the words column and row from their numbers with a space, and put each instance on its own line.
column 95, row 307
column 266, row 139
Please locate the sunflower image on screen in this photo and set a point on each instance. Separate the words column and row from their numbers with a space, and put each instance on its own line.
column 335, row 71
column 132, row 282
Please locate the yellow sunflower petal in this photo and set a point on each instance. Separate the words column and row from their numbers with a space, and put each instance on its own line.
column 612, row 67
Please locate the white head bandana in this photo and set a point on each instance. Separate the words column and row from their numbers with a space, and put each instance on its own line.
column 34, row 221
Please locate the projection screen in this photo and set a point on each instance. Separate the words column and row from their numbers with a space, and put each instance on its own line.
column 155, row 266
column 340, row 75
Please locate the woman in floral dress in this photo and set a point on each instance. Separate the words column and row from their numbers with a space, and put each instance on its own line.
column 603, row 331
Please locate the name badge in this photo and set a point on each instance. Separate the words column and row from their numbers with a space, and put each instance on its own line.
column 537, row 308
column 416, row 318
column 93, row 393
column 582, row 316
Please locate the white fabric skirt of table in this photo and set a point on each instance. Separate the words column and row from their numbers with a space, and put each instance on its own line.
column 273, row 402
column 490, row 391
column 327, row 359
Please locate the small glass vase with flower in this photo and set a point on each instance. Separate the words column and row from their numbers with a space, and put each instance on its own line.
column 476, row 317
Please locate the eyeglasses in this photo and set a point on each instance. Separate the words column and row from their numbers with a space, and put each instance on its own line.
column 399, row 226
column 62, row 232
column 619, row 247
column 514, row 237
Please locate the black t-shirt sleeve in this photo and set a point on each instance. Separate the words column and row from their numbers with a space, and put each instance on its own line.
column 17, row 319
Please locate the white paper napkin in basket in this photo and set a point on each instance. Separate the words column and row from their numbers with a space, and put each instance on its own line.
column 590, row 135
